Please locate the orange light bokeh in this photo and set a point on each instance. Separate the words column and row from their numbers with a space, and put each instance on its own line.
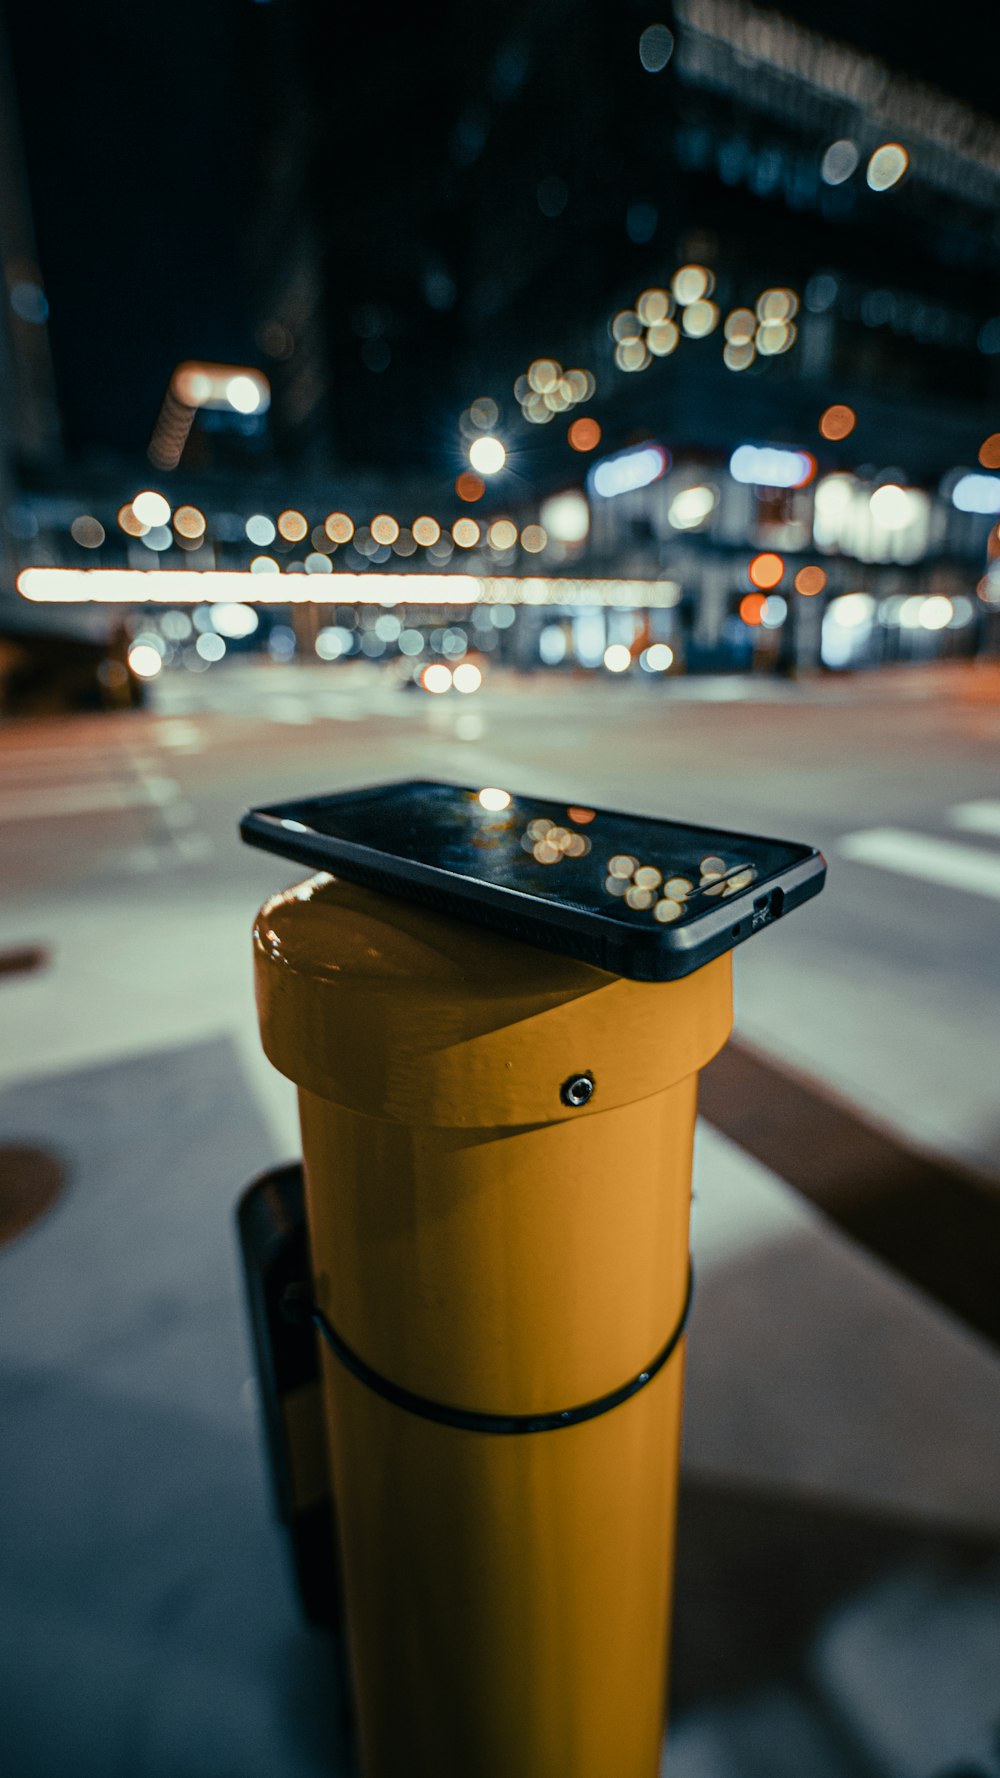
column 581, row 816
column 339, row 528
column 989, row 451
column 810, row 580
column 189, row 522
column 751, row 608
column 470, row 487
column 766, row 570
column 292, row 525
column 837, row 422
column 132, row 526
column 584, row 434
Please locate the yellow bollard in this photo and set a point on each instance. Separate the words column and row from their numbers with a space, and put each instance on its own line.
column 502, row 1275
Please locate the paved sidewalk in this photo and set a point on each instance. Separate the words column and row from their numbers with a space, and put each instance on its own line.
column 150, row 1615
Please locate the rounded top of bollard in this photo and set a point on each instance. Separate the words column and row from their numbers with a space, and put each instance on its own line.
column 399, row 1011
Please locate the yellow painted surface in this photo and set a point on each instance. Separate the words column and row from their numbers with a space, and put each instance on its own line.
column 478, row 1242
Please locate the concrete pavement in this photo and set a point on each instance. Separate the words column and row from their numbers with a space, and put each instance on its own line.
column 814, row 1375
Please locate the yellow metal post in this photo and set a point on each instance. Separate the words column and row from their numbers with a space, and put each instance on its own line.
column 486, row 1253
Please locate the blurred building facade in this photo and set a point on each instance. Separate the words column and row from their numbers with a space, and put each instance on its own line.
column 724, row 234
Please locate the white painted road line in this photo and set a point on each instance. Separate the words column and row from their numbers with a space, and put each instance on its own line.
column 84, row 799
column 920, row 855
column 179, row 734
column 981, row 817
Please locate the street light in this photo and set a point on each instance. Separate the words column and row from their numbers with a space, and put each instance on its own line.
column 487, row 455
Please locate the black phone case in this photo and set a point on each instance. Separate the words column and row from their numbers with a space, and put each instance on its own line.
column 659, row 954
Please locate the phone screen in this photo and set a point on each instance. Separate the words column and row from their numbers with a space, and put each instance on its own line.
column 634, row 870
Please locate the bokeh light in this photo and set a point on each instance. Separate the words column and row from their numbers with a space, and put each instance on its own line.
column 690, row 283
column 145, row 660
column 292, row 526
column 632, row 354
column 584, row 434
column 534, row 539
column 189, row 522
column 657, row 658
column 260, row 530
column 810, row 580
column 887, row 166
column 234, row 620
column 484, row 413
column 129, row 523
column 544, row 374
column 487, row 455
column 739, row 354
column 751, row 608
column 87, row 531
column 244, row 394
column 338, row 527
column 893, row 507
column 766, row 569
column 838, row 421
column 656, row 46
column 740, row 326
column 150, row 508
column 663, row 338
column 469, row 487
column 839, row 162
column 989, row 451
column 700, row 318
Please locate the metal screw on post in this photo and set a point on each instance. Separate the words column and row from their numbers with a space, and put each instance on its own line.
column 577, row 1090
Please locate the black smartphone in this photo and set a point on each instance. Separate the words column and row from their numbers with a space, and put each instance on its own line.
column 653, row 900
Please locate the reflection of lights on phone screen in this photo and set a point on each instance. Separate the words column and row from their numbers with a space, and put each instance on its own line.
column 495, row 800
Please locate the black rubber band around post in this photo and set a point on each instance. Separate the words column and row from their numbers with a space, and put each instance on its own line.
column 466, row 1420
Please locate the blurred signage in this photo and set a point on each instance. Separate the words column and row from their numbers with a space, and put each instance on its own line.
column 627, row 471
column 241, row 586
column 233, row 386
column 977, row 493
column 765, row 466
column 121, row 585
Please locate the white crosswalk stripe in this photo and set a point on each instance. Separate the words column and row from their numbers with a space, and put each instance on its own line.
column 979, row 817
column 949, row 862
column 84, row 799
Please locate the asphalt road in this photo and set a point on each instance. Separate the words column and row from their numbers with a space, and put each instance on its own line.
column 119, row 842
